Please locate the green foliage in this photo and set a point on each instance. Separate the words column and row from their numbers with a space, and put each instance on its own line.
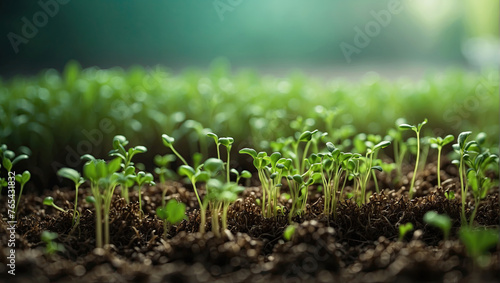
column 172, row 213
column 442, row 222
column 74, row 176
column 479, row 241
column 404, row 229
column 219, row 197
column 439, row 143
column 51, row 247
column 289, row 232
column 49, row 201
column 417, row 130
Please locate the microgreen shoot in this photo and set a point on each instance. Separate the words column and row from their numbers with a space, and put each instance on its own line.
column 168, row 141
column 172, row 213
column 220, row 196
column 119, row 143
column 74, row 176
column 142, row 179
column 21, row 179
column 289, row 232
column 244, row 174
column 49, row 201
column 439, row 143
column 441, row 221
column 478, row 242
column 417, row 130
column 461, row 148
column 404, row 229
column 51, row 247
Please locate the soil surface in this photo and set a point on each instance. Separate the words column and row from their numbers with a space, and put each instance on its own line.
column 359, row 245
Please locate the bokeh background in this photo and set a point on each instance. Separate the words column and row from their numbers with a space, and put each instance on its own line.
column 272, row 36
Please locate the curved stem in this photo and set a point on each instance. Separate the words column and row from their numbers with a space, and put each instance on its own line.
column 416, row 166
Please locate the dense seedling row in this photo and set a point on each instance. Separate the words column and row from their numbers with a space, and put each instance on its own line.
column 147, row 103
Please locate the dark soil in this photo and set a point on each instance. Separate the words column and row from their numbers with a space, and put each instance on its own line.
column 360, row 245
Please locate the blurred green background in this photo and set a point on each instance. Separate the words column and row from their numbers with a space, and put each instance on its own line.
column 272, row 36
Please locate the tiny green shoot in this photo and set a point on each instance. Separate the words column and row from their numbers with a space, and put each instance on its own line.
column 289, row 232
column 49, row 201
column 439, row 143
column 21, row 179
column 417, row 130
column 441, row 221
column 172, row 213
column 404, row 229
column 51, row 247
column 74, row 176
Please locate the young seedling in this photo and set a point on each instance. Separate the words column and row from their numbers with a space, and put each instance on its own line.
column 461, row 148
column 404, row 229
column 289, row 232
column 371, row 151
column 244, row 174
column 476, row 177
column 220, row 196
column 51, row 247
column 21, row 179
column 9, row 159
column 172, row 213
column 102, row 177
column 74, row 176
column 439, row 143
column 168, row 141
column 49, row 201
column 163, row 170
column 195, row 176
column 441, row 221
column 119, row 143
column 478, row 242
column 142, row 179
column 417, row 130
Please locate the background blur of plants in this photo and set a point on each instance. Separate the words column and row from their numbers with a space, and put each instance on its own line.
column 284, row 72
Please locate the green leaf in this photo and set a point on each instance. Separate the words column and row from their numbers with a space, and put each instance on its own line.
column 404, row 229
column 227, row 142
column 167, row 140
column 442, row 222
column 213, row 165
column 462, row 138
column 119, row 140
column 24, row 178
column 479, row 241
column 246, row 174
column 202, row 176
column 405, row 127
column 378, row 168
column 305, row 136
column 249, row 151
column 447, row 139
column 289, row 232
column 87, row 157
column 48, row 236
column 90, row 199
column 162, row 213
column 298, row 179
column 185, row 170
column 140, row 149
column 275, row 156
column 48, row 201
column 214, row 136
column 382, row 144
column 113, row 166
column 7, row 164
column 69, row 173
column 422, row 124
column 330, row 146
column 19, row 158
column 175, row 211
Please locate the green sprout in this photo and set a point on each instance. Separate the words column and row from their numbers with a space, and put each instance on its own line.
column 371, row 151
column 168, row 141
column 103, row 181
column 439, row 143
column 416, row 129
column 162, row 170
column 220, row 196
column 8, row 159
column 51, row 247
column 49, row 201
column 195, row 176
column 172, row 213
column 334, row 165
column 461, row 148
column 441, row 221
column 404, row 229
column 244, row 174
column 119, row 143
column 476, row 176
column 289, row 232
column 142, row 179
column 21, row 179
column 74, row 176
column 400, row 147
column 478, row 242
